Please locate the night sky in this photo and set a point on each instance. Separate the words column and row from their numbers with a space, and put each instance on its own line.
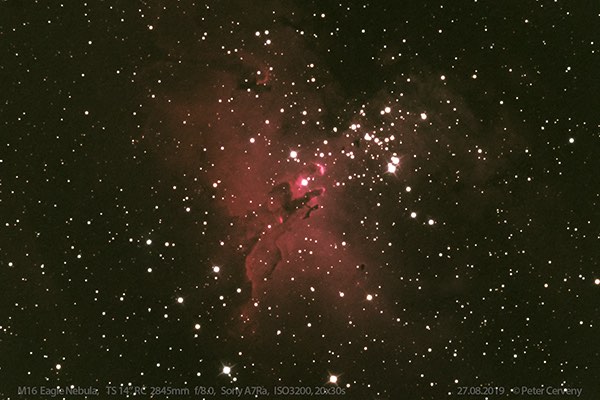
column 393, row 200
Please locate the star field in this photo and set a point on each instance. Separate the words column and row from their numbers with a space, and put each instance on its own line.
column 380, row 200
